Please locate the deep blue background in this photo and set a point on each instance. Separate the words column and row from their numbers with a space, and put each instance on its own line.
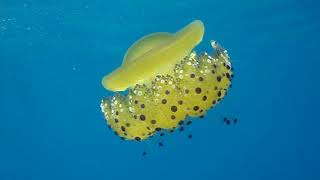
column 53, row 55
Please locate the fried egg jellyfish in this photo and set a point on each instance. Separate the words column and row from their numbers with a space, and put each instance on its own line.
column 166, row 83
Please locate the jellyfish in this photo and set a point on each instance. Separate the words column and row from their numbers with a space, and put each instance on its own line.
column 165, row 82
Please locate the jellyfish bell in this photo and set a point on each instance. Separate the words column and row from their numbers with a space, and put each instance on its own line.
column 145, row 44
column 152, row 55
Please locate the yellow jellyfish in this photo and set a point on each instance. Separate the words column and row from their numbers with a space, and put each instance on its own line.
column 166, row 82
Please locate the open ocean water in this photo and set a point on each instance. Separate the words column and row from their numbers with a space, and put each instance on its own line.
column 53, row 55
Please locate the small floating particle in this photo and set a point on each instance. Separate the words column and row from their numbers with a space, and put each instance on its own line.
column 235, row 120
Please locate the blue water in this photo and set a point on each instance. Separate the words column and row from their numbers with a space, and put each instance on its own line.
column 53, row 55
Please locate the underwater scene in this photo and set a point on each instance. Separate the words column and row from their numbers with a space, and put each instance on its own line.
column 168, row 89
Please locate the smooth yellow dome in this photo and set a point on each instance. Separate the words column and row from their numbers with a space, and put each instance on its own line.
column 152, row 55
